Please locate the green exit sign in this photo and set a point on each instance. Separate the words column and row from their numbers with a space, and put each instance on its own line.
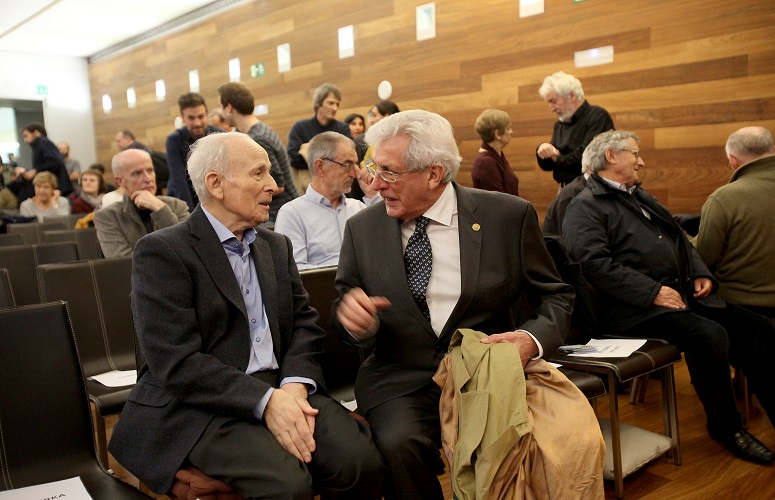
column 258, row 69
column 41, row 90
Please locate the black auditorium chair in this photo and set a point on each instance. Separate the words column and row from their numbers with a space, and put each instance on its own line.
column 627, row 448
column 45, row 420
column 6, row 294
column 340, row 362
column 85, row 239
column 32, row 232
column 68, row 221
column 97, row 293
column 11, row 239
column 22, row 262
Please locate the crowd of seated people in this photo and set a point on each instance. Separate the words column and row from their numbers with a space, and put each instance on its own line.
column 410, row 275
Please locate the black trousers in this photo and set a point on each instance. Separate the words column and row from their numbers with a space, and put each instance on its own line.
column 712, row 339
column 245, row 455
column 408, row 434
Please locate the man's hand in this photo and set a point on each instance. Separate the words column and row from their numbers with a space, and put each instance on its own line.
column 287, row 415
column 546, row 151
column 524, row 342
column 358, row 313
column 147, row 200
column 303, row 149
column 702, row 287
column 29, row 174
column 667, row 297
column 365, row 180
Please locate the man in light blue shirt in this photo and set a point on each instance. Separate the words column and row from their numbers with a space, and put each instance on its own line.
column 315, row 222
column 230, row 382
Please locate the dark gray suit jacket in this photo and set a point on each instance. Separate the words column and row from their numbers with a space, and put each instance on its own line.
column 502, row 256
column 193, row 334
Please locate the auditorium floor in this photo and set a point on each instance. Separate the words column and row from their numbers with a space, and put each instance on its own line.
column 708, row 470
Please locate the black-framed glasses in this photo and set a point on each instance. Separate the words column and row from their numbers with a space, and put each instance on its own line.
column 636, row 152
column 385, row 175
column 348, row 165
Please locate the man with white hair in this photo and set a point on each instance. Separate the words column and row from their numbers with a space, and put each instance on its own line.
column 230, row 382
column 650, row 283
column 437, row 257
column 140, row 211
column 578, row 123
column 737, row 235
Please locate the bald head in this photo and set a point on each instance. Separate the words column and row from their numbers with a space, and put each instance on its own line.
column 749, row 144
column 133, row 170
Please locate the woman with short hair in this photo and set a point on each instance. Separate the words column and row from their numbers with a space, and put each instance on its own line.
column 491, row 170
column 47, row 199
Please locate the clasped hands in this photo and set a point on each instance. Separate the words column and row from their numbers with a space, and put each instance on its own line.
column 291, row 420
column 670, row 298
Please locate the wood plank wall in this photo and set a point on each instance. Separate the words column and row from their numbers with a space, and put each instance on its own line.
column 685, row 75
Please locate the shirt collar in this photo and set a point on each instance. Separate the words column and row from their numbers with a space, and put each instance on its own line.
column 224, row 235
column 445, row 207
column 620, row 187
column 320, row 199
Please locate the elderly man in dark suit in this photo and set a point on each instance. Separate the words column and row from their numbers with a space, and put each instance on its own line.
column 473, row 252
column 230, row 383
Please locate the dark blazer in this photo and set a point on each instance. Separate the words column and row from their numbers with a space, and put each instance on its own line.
column 502, row 256
column 193, row 334
column 626, row 256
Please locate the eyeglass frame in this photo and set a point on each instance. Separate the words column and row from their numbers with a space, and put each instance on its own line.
column 347, row 166
column 386, row 175
column 636, row 152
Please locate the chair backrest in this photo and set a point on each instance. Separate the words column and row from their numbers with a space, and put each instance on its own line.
column 6, row 294
column 22, row 262
column 340, row 362
column 11, row 239
column 97, row 294
column 45, row 421
column 33, row 231
column 86, row 239
column 67, row 220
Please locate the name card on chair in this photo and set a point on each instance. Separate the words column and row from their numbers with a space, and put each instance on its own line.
column 71, row 489
column 116, row 378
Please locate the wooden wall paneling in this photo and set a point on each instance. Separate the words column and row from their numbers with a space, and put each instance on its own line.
column 685, row 74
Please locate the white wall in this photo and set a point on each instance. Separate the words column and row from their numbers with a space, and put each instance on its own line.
column 67, row 107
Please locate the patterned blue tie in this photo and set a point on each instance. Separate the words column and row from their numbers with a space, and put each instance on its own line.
column 418, row 262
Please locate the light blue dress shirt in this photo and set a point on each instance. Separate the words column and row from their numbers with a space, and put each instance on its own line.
column 262, row 356
column 316, row 228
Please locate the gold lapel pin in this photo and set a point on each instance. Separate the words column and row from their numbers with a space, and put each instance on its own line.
column 476, row 227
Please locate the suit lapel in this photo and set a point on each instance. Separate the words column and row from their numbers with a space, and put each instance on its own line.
column 470, row 230
column 211, row 252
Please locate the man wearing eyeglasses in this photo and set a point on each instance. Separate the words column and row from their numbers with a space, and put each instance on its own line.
column 652, row 284
column 433, row 258
column 315, row 222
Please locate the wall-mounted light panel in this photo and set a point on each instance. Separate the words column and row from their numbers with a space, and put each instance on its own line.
column 161, row 90
column 594, row 57
column 284, row 57
column 234, row 71
column 193, row 80
column 261, row 110
column 529, row 8
column 107, row 104
column 346, row 42
column 426, row 21
column 131, row 97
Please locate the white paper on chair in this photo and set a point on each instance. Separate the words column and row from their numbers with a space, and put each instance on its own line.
column 610, row 348
column 72, row 489
column 116, row 378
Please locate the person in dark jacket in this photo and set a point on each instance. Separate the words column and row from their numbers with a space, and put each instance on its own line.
column 45, row 158
column 652, row 284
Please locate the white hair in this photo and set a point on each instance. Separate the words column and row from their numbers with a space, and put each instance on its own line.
column 563, row 84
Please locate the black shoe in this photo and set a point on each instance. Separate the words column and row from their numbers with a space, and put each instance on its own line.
column 747, row 447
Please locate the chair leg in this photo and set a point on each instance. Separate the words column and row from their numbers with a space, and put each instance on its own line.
column 616, row 443
column 102, row 440
column 670, row 413
column 639, row 388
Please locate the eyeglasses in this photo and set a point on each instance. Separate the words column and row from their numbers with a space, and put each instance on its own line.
column 348, row 165
column 385, row 175
column 636, row 152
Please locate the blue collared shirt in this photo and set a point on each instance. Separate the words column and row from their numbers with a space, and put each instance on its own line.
column 316, row 228
column 262, row 355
